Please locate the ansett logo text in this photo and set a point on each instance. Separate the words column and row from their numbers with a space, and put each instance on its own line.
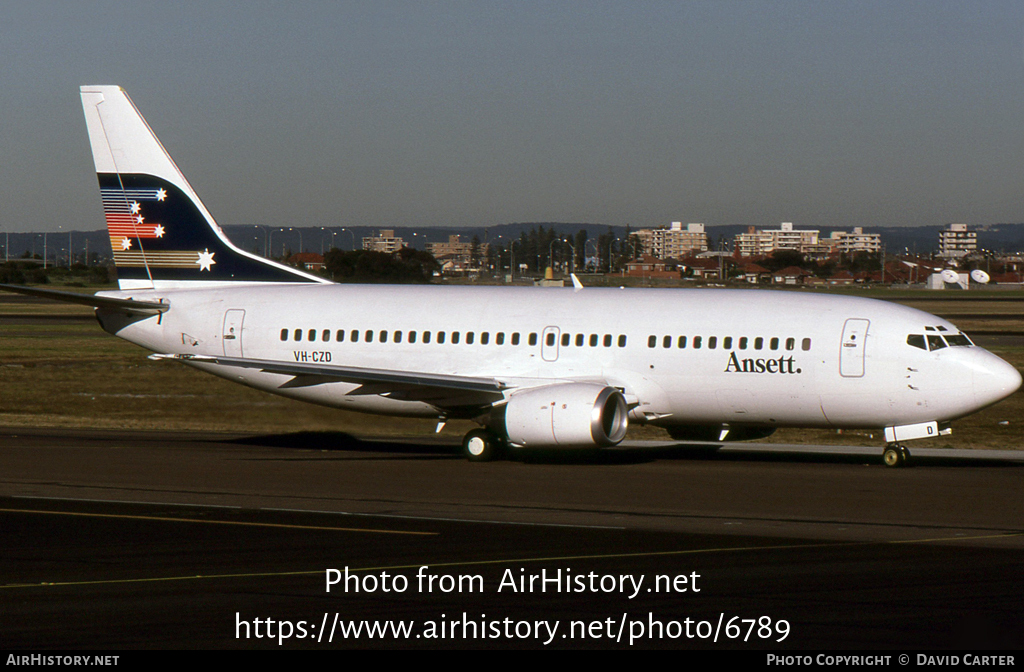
column 780, row 365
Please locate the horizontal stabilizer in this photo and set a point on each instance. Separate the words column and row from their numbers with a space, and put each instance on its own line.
column 108, row 302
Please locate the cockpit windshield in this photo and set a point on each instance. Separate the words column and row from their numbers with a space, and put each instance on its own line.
column 937, row 342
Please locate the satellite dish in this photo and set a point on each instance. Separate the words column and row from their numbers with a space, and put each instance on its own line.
column 980, row 276
column 950, row 276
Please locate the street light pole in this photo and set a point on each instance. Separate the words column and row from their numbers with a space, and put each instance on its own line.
column 512, row 259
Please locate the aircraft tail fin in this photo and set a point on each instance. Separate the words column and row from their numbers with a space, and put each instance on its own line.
column 161, row 234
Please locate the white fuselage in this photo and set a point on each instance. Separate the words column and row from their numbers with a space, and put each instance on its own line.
column 750, row 356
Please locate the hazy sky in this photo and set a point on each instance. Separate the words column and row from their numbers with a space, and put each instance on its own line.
column 826, row 114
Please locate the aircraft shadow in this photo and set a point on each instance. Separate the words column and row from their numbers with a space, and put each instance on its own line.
column 419, row 448
column 335, row 442
column 737, row 454
column 711, row 453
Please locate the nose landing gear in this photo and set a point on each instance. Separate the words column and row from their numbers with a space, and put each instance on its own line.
column 896, row 455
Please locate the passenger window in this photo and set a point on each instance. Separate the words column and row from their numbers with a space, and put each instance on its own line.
column 806, row 344
column 712, row 342
column 758, row 343
column 666, row 342
column 397, row 337
column 593, row 341
column 515, row 338
column 284, row 334
column 916, row 340
column 774, row 344
column 499, row 338
column 326, row 335
column 790, row 343
column 743, row 342
column 485, row 338
column 533, row 338
column 440, row 337
column 383, row 337
column 426, row 337
column 935, row 342
column 565, row 339
column 550, row 338
column 354, row 336
column 368, row 336
column 412, row 336
column 340, row 336
column 622, row 340
column 696, row 342
column 652, row 341
column 455, row 338
column 727, row 343
column 580, row 338
column 607, row 340
column 681, row 342
column 298, row 334
column 470, row 337
column 312, row 334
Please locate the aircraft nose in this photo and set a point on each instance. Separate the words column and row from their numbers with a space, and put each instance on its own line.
column 994, row 379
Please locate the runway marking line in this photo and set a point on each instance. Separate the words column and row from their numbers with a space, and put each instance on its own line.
column 469, row 563
column 217, row 522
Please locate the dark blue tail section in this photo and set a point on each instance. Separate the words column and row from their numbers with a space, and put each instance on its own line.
column 160, row 232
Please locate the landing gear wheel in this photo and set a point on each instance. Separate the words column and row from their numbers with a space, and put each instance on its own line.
column 906, row 456
column 895, row 455
column 479, row 445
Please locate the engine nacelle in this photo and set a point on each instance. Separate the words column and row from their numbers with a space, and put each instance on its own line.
column 570, row 415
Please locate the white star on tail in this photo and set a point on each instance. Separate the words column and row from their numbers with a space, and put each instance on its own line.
column 205, row 260
column 135, row 207
column 161, row 194
column 159, row 231
column 126, row 243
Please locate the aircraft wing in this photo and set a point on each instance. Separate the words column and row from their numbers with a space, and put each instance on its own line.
column 447, row 392
column 110, row 303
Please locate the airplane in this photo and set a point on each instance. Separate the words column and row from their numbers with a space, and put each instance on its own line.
column 534, row 367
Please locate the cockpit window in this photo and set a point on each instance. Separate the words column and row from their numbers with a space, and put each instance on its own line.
column 957, row 340
column 916, row 340
column 935, row 342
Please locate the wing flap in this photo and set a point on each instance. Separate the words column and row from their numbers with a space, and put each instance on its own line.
column 442, row 390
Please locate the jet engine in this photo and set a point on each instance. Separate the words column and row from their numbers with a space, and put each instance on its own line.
column 571, row 415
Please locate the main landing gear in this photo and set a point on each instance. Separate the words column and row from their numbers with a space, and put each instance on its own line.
column 896, row 455
column 481, row 445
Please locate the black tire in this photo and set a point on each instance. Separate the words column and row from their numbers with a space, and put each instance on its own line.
column 479, row 445
column 894, row 456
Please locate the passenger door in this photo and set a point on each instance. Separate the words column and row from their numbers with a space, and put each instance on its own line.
column 851, row 351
